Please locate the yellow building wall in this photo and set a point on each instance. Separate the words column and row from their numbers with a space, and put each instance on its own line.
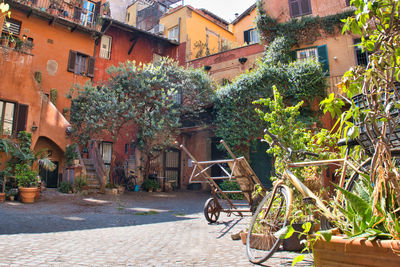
column 246, row 23
column 195, row 28
column 132, row 11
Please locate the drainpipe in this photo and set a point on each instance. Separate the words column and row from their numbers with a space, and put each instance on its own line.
column 179, row 30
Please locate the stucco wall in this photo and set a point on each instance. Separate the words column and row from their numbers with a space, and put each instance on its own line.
column 52, row 44
column 246, row 23
column 193, row 29
column 226, row 65
column 18, row 85
column 279, row 9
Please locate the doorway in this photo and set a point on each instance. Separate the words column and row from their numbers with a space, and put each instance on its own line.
column 49, row 177
column 261, row 162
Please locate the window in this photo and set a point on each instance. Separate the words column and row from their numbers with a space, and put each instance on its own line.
column 88, row 13
column 12, row 117
column 347, row 2
column 14, row 26
column 251, row 36
column 307, row 54
column 105, row 47
column 128, row 17
column 299, row 8
column 80, row 64
column 319, row 52
column 361, row 56
column 173, row 33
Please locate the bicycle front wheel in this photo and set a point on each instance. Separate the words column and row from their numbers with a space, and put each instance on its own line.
column 270, row 217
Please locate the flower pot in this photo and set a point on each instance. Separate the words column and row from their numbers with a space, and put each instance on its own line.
column 37, row 194
column 121, row 190
column 150, row 190
column 356, row 252
column 11, row 198
column 259, row 241
column 27, row 194
column 2, row 197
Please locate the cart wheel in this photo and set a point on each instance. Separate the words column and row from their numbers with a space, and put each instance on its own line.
column 211, row 210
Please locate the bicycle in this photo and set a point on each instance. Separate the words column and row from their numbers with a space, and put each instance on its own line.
column 272, row 214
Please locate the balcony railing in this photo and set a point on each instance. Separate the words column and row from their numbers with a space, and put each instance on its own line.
column 82, row 12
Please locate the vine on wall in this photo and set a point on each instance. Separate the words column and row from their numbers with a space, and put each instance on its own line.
column 306, row 29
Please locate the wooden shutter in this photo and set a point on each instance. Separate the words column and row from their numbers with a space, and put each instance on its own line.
column 247, row 36
column 15, row 26
column 71, row 60
column 77, row 13
column 21, row 115
column 91, row 63
column 323, row 58
column 294, row 8
column 305, row 7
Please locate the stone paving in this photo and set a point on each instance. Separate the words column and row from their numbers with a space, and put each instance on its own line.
column 135, row 229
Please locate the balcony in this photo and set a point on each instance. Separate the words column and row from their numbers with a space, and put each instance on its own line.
column 80, row 12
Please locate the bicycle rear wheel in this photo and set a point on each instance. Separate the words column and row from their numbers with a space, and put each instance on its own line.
column 354, row 178
column 270, row 217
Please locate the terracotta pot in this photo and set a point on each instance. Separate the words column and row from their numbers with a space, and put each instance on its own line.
column 2, row 197
column 27, row 194
column 259, row 241
column 37, row 194
column 121, row 190
column 293, row 243
column 356, row 252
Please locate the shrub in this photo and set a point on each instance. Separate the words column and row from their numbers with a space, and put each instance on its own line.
column 150, row 183
column 231, row 186
column 65, row 187
column 79, row 183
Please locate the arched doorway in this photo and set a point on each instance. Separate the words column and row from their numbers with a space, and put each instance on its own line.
column 50, row 178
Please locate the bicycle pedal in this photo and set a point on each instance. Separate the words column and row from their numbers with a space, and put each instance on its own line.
column 309, row 200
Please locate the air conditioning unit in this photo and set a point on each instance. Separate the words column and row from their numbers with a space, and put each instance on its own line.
column 159, row 29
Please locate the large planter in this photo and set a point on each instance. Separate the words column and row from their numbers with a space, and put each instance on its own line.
column 27, row 194
column 2, row 197
column 356, row 252
column 259, row 241
column 37, row 193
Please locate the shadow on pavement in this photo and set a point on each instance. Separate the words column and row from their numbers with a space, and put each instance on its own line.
column 56, row 212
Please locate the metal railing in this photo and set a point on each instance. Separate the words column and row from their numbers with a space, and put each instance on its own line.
column 73, row 10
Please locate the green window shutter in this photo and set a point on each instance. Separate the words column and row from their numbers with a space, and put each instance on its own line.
column 247, row 36
column 293, row 55
column 323, row 58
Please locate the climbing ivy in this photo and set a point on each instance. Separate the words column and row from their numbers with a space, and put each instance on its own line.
column 306, row 29
column 237, row 122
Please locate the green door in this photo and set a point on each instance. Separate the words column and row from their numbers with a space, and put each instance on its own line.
column 261, row 162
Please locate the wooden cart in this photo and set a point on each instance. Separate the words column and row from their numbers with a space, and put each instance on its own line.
column 239, row 171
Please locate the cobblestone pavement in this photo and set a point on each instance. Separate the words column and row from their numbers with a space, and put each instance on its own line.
column 135, row 229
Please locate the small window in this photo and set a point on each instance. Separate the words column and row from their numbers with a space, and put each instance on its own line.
column 81, row 64
column 128, row 17
column 361, row 56
column 13, row 117
column 299, row 8
column 105, row 47
column 173, row 33
column 14, row 26
column 307, row 54
column 6, row 117
column 251, row 36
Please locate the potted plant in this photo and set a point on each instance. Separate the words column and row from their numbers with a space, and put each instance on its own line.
column 12, row 193
column 150, row 185
column 80, row 184
column 27, row 182
column 71, row 155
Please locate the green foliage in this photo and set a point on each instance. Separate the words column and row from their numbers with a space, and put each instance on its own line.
column 79, row 183
column 298, row 30
column 147, row 100
column 25, row 176
column 236, row 121
column 38, row 76
column 231, row 186
column 150, row 183
column 53, row 95
column 71, row 153
column 65, row 187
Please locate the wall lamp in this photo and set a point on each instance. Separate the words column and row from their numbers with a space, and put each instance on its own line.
column 34, row 127
column 242, row 60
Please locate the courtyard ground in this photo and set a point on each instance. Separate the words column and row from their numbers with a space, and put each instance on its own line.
column 135, row 229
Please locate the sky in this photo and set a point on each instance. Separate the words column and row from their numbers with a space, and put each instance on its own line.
column 225, row 9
